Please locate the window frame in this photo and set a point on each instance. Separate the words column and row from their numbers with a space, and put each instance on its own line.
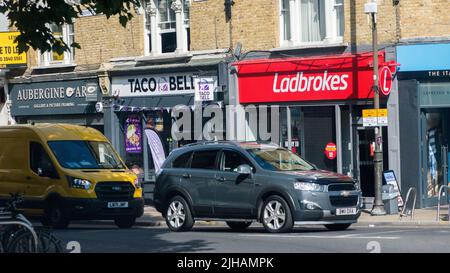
column 68, row 36
column 152, row 49
column 222, row 160
column 216, row 160
column 330, row 24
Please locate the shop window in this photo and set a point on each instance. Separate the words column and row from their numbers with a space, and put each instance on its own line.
column 63, row 33
column 161, row 24
column 204, row 160
column 311, row 21
column 2, row 94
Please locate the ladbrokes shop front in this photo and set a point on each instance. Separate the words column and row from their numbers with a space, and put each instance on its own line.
column 320, row 103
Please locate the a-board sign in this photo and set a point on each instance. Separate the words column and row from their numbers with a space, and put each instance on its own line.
column 391, row 179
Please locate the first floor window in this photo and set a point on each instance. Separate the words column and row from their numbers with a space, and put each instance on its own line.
column 63, row 33
column 311, row 21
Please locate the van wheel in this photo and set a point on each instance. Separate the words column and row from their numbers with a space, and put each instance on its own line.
column 125, row 221
column 55, row 216
column 337, row 227
column 276, row 215
column 238, row 226
column 178, row 215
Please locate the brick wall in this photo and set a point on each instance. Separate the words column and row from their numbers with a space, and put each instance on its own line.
column 254, row 23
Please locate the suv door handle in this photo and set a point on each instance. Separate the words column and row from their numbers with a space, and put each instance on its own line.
column 220, row 179
column 186, row 175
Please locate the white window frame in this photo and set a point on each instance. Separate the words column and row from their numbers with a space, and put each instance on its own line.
column 156, row 44
column 330, row 25
column 46, row 58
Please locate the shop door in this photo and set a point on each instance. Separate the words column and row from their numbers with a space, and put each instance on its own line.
column 366, row 138
column 435, row 142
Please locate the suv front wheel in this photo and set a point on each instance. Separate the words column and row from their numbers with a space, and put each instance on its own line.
column 178, row 215
column 276, row 215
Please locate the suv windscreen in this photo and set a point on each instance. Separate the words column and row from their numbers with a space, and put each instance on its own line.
column 204, row 160
column 79, row 154
column 279, row 159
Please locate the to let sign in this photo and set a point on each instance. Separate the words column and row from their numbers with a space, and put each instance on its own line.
column 385, row 82
column 9, row 52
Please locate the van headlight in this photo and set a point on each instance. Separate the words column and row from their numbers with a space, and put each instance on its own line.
column 307, row 186
column 79, row 183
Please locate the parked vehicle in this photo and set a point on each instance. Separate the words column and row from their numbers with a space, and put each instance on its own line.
column 244, row 182
column 67, row 172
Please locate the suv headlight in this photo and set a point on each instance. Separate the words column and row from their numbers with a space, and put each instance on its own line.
column 79, row 183
column 308, row 186
column 357, row 186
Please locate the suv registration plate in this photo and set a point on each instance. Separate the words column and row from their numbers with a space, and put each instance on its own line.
column 114, row 205
column 346, row 211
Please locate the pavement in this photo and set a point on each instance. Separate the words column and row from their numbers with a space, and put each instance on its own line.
column 421, row 217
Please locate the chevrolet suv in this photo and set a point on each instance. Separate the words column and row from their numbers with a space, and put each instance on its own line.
column 245, row 182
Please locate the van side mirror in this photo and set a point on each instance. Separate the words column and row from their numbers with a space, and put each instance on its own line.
column 244, row 169
column 43, row 172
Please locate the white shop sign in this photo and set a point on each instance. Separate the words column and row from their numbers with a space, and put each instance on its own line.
column 155, row 85
column 205, row 88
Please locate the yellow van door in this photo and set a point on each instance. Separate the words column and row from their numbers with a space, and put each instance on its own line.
column 42, row 176
column 13, row 162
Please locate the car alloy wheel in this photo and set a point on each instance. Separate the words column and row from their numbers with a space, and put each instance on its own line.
column 274, row 215
column 176, row 214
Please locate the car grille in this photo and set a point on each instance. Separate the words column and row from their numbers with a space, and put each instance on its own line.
column 114, row 191
column 341, row 187
column 344, row 201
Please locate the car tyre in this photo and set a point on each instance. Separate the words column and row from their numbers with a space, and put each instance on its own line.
column 125, row 221
column 238, row 226
column 276, row 215
column 337, row 227
column 55, row 216
column 178, row 215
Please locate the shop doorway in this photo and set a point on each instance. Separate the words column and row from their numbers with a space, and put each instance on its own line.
column 435, row 142
column 365, row 156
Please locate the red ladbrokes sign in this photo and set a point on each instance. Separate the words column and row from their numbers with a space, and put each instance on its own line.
column 308, row 79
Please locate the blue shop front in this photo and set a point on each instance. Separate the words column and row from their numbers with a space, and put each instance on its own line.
column 424, row 114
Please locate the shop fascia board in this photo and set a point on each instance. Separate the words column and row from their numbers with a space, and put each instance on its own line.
column 308, row 46
column 56, row 77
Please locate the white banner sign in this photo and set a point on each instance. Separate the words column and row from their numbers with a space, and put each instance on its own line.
column 205, row 88
column 155, row 85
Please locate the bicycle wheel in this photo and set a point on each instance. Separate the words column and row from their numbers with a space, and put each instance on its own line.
column 23, row 242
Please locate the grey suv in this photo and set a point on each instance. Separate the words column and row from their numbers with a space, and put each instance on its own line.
column 244, row 182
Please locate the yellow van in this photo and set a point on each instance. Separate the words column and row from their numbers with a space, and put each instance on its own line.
column 67, row 172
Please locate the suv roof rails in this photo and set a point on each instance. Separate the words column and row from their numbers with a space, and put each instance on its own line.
column 210, row 142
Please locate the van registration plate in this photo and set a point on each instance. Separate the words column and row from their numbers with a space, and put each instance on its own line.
column 114, row 205
column 346, row 211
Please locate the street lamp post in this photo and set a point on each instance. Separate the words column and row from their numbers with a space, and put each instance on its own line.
column 378, row 206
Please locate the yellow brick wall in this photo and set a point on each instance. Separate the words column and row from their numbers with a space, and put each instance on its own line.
column 102, row 39
column 357, row 23
column 254, row 24
column 425, row 18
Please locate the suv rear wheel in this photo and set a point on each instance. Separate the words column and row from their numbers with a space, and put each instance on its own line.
column 238, row 226
column 178, row 215
column 276, row 215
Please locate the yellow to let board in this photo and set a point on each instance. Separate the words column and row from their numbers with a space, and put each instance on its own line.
column 9, row 52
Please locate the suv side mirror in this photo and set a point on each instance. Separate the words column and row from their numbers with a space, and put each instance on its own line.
column 244, row 169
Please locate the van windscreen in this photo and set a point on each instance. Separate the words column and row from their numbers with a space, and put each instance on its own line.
column 78, row 154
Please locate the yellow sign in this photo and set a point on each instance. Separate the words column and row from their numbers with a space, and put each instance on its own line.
column 369, row 113
column 374, row 117
column 382, row 113
column 9, row 52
